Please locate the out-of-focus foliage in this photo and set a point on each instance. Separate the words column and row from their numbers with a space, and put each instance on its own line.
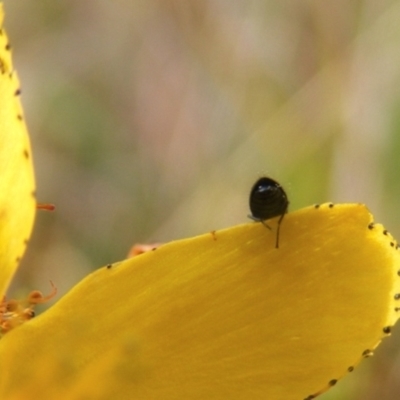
column 151, row 120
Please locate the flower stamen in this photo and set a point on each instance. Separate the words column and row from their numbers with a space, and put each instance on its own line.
column 45, row 206
column 141, row 248
column 15, row 312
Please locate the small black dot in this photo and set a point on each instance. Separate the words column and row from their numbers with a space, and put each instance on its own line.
column 391, row 244
column 398, row 272
column 108, row 266
column 333, row 382
column 26, row 153
column 19, row 117
column 371, row 225
column 387, row 330
column 17, row 92
column 316, row 206
column 385, row 232
column 350, row 369
column 397, row 309
column 8, row 46
column 331, row 205
column 397, row 296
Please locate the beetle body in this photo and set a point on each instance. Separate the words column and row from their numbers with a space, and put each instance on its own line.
column 268, row 200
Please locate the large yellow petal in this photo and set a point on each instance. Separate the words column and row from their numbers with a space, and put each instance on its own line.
column 224, row 315
column 17, row 203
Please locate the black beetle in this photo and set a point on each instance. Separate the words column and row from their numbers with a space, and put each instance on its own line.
column 268, row 200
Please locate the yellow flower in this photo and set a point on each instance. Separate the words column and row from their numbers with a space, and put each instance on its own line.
column 224, row 315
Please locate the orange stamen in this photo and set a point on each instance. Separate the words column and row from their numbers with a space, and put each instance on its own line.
column 16, row 312
column 45, row 206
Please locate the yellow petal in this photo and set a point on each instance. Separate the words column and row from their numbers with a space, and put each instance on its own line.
column 226, row 315
column 17, row 203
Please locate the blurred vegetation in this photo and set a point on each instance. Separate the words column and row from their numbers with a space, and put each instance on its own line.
column 151, row 120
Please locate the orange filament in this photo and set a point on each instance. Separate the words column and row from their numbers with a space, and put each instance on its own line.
column 140, row 248
column 15, row 312
column 45, row 206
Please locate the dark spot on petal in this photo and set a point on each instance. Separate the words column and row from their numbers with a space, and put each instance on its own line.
column 333, row 382
column 397, row 309
column 331, row 205
column 310, row 397
column 367, row 353
column 398, row 272
column 108, row 266
column 392, row 244
column 26, row 153
column 26, row 241
column 18, row 259
column 350, row 369
column 316, row 206
column 17, row 92
column 371, row 225
column 385, row 232
column 387, row 330
column 397, row 296
column 8, row 46
column 19, row 117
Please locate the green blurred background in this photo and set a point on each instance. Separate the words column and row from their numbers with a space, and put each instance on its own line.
column 150, row 121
